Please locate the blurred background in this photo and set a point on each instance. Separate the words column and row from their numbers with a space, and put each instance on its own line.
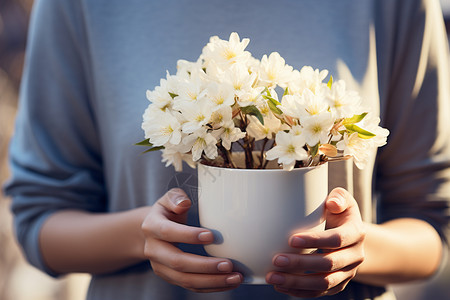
column 18, row 280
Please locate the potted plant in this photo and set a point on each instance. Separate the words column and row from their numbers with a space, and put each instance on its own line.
column 261, row 134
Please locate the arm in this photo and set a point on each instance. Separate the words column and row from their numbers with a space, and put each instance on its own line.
column 412, row 179
column 396, row 251
column 75, row 241
column 59, row 185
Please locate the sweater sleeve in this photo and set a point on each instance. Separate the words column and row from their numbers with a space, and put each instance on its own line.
column 55, row 154
column 413, row 175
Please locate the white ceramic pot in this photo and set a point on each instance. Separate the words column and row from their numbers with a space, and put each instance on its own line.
column 252, row 213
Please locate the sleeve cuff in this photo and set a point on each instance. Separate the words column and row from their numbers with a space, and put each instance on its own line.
column 33, row 249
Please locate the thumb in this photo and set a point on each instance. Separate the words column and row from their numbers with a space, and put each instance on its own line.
column 176, row 201
column 338, row 201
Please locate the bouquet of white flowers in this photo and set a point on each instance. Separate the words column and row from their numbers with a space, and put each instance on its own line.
column 228, row 100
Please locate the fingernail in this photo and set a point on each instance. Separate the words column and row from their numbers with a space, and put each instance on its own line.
column 339, row 200
column 224, row 267
column 281, row 261
column 233, row 279
column 276, row 279
column 182, row 202
column 298, row 242
column 205, row 236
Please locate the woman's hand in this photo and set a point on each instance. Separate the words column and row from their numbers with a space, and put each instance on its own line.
column 340, row 251
column 163, row 228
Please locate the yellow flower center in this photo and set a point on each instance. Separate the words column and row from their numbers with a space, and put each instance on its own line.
column 271, row 75
column 337, row 103
column 219, row 118
column 200, row 142
column 317, row 129
column 312, row 110
column 219, row 100
column 291, row 149
column 264, row 110
column 229, row 54
column 200, row 118
column 192, row 95
column 167, row 130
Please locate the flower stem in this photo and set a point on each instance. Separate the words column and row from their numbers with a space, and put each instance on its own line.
column 226, row 155
column 261, row 155
column 271, row 146
column 248, row 152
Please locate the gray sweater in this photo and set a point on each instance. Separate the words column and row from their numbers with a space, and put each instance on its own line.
column 89, row 64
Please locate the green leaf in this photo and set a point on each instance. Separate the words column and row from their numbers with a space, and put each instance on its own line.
column 272, row 100
column 330, row 82
column 254, row 111
column 313, row 150
column 364, row 134
column 354, row 119
column 153, row 149
column 286, row 91
column 274, row 109
column 172, row 95
column 266, row 90
column 146, row 143
column 273, row 104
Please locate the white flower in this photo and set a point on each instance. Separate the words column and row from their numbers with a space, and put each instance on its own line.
column 252, row 96
column 221, row 116
column 239, row 78
column 160, row 95
column 175, row 156
column 356, row 147
column 304, row 105
column 296, row 130
column 225, row 53
column 263, row 105
column 185, row 68
column 201, row 141
column 274, row 71
column 343, row 103
column 308, row 78
column 288, row 150
column 191, row 89
column 370, row 123
column 161, row 128
column 220, row 95
column 229, row 133
column 196, row 114
column 314, row 104
column 317, row 128
column 271, row 126
column 292, row 105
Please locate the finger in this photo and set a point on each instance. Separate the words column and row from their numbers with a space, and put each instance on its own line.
column 335, row 238
column 341, row 208
column 339, row 200
column 166, row 230
column 174, row 258
column 314, row 283
column 175, row 201
column 319, row 263
column 198, row 282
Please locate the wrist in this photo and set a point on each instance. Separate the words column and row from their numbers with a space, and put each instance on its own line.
column 137, row 217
